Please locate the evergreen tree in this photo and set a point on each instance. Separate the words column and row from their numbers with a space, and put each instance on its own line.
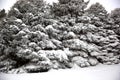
column 24, row 6
column 115, row 14
column 98, row 10
column 72, row 7
column 2, row 13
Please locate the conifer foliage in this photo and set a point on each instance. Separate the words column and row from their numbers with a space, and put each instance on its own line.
column 72, row 7
column 36, row 37
column 2, row 13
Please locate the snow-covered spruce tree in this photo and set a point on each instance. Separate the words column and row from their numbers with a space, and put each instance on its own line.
column 98, row 11
column 29, row 11
column 115, row 15
column 29, row 5
column 13, row 39
column 66, row 7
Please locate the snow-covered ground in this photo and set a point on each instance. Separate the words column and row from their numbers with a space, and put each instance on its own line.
column 100, row 72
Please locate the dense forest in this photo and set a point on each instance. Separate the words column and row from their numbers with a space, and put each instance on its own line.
column 36, row 36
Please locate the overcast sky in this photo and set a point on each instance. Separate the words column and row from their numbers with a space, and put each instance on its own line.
column 108, row 4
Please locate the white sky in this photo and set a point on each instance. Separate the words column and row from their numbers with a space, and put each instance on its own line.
column 108, row 4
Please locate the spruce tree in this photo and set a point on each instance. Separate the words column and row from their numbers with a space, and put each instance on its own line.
column 72, row 7
column 2, row 13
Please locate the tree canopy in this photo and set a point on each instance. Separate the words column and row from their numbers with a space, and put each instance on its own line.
column 72, row 7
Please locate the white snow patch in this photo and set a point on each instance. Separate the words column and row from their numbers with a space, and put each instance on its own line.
column 18, row 20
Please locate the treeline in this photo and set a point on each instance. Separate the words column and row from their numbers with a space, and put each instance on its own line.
column 58, row 36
